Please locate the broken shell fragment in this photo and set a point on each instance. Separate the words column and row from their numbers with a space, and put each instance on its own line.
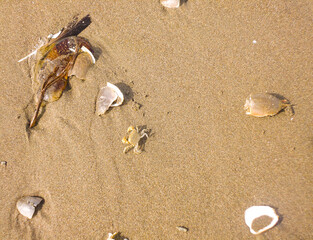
column 109, row 96
column 82, row 64
column 26, row 205
column 171, row 3
column 264, row 104
column 254, row 212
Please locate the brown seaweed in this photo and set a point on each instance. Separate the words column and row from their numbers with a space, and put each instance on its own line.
column 55, row 60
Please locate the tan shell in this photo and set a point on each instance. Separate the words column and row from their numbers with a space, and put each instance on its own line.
column 264, row 104
column 82, row 64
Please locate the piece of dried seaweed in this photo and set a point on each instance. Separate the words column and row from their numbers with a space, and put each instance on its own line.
column 55, row 60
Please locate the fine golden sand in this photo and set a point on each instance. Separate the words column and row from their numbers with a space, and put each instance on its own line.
column 185, row 74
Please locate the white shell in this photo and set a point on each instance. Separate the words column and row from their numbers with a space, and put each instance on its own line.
column 109, row 96
column 26, row 205
column 255, row 212
column 171, row 3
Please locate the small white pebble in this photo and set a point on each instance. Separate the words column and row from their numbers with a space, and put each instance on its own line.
column 182, row 229
column 3, row 163
column 254, row 41
column 171, row 3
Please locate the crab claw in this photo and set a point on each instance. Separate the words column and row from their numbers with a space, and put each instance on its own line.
column 124, row 140
column 131, row 128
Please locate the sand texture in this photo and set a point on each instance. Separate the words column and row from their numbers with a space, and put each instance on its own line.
column 185, row 74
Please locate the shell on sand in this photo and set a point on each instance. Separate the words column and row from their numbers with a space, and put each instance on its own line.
column 255, row 212
column 170, row 3
column 82, row 64
column 27, row 205
column 109, row 96
column 264, row 104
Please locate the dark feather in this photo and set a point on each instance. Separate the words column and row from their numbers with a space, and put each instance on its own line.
column 78, row 27
column 74, row 28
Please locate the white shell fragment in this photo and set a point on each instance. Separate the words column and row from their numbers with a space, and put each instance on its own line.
column 26, row 205
column 84, row 49
column 109, row 96
column 255, row 212
column 171, row 3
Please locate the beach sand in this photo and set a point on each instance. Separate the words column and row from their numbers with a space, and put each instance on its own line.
column 205, row 162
